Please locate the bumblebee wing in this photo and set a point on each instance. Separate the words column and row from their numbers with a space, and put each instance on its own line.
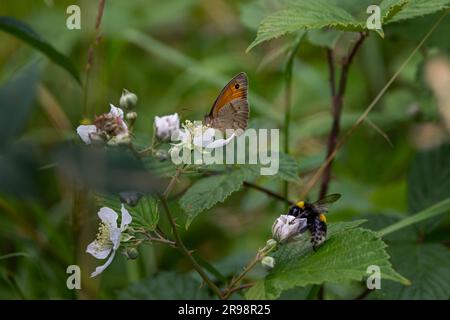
column 323, row 203
column 328, row 199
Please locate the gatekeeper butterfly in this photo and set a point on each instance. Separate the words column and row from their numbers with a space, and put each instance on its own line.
column 231, row 109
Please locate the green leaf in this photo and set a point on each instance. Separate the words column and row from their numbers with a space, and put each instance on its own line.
column 433, row 211
column 206, row 192
column 16, row 100
column 304, row 14
column 389, row 8
column 429, row 181
column 252, row 13
column 345, row 256
column 24, row 32
column 417, row 8
column 166, row 286
column 145, row 214
column 288, row 169
column 428, row 268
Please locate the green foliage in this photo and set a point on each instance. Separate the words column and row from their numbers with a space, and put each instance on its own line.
column 426, row 265
column 145, row 214
column 206, row 192
column 15, row 105
column 435, row 210
column 289, row 169
column 305, row 15
column 311, row 15
column 166, row 286
column 24, row 32
column 418, row 8
column 346, row 254
column 429, row 181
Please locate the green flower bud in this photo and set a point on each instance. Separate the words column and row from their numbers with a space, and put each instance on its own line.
column 128, row 100
column 271, row 243
column 268, row 262
column 132, row 253
column 161, row 155
column 131, row 115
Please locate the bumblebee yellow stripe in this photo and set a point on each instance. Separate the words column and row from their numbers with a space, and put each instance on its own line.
column 301, row 204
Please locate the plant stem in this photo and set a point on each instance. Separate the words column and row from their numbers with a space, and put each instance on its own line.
column 241, row 287
column 268, row 192
column 235, row 281
column 234, row 284
column 179, row 242
column 159, row 239
column 90, row 55
column 336, row 106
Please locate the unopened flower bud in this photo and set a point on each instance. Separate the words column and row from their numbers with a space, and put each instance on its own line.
column 131, row 198
column 128, row 100
column 268, row 262
column 131, row 115
column 271, row 243
column 161, row 155
column 132, row 253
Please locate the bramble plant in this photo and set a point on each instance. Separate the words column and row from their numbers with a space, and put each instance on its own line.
column 230, row 222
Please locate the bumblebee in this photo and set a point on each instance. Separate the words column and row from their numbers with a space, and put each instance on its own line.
column 314, row 213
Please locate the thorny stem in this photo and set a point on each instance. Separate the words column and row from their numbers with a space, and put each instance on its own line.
column 315, row 178
column 90, row 57
column 336, row 106
column 268, row 192
column 179, row 242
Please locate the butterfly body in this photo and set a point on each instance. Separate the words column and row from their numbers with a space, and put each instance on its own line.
column 231, row 109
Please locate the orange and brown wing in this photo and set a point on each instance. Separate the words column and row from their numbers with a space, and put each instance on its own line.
column 231, row 110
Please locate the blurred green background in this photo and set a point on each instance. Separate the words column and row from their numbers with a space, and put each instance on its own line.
column 176, row 55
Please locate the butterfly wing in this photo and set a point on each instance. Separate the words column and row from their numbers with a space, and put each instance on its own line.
column 231, row 109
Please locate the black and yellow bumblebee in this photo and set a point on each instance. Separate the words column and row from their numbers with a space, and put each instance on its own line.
column 314, row 213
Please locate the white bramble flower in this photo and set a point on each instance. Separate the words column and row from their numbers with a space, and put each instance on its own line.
column 87, row 132
column 286, row 227
column 167, row 127
column 109, row 127
column 109, row 236
column 199, row 137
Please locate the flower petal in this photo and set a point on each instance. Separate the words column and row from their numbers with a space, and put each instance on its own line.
column 100, row 269
column 97, row 251
column 208, row 134
column 287, row 227
column 108, row 217
column 115, row 236
column 116, row 112
column 126, row 218
column 85, row 131
column 167, row 127
column 218, row 143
